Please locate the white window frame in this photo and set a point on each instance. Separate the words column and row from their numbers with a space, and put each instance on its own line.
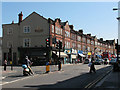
column 52, row 28
column 28, row 41
column 26, row 31
column 10, row 31
column 9, row 44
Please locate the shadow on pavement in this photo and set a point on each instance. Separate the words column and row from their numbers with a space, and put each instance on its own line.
column 76, row 82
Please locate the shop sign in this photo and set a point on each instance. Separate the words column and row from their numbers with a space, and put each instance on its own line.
column 67, row 51
column 89, row 53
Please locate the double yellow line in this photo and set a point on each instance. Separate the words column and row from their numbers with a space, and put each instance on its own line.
column 94, row 82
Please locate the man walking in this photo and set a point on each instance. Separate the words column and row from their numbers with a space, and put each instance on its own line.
column 29, row 63
column 92, row 67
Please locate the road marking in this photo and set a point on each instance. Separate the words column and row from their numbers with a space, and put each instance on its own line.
column 97, row 80
column 101, row 82
column 19, row 79
column 30, row 77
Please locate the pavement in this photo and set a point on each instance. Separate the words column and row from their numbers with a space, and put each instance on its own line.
column 18, row 70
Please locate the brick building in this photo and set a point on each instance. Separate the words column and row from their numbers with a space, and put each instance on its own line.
column 28, row 37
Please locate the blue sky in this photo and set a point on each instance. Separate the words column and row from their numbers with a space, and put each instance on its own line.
column 96, row 18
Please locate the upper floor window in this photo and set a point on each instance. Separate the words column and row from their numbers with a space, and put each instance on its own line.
column 73, row 36
column 67, row 44
column 98, row 44
column 58, row 30
column 88, row 41
column 9, row 44
column 73, row 45
column 10, row 31
column 61, row 31
column 95, row 43
column 26, row 42
column 92, row 42
column 79, row 46
column 88, row 48
column 79, row 38
column 83, row 39
column 67, row 34
column 52, row 28
column 26, row 29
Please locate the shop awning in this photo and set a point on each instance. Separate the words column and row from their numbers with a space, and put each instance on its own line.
column 62, row 54
column 74, row 56
column 81, row 55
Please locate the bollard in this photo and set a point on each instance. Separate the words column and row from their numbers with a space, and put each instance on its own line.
column 59, row 65
column 11, row 65
column 47, row 67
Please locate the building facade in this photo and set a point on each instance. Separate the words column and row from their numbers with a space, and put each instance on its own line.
column 28, row 37
column 0, row 50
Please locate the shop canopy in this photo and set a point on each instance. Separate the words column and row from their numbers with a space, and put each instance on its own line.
column 81, row 55
column 62, row 54
column 74, row 56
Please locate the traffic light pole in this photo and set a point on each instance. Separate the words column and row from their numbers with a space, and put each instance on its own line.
column 59, row 49
column 117, row 50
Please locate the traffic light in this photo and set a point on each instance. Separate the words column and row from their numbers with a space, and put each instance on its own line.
column 57, row 45
column 47, row 42
column 60, row 45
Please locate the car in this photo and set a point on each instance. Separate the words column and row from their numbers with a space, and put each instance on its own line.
column 98, row 61
column 86, row 61
column 113, row 61
column 106, row 61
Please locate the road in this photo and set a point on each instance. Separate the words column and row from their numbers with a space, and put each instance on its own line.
column 71, row 76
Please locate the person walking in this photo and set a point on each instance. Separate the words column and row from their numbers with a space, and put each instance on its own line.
column 5, row 64
column 92, row 67
column 29, row 63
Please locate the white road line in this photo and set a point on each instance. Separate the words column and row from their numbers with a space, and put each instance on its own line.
column 18, row 79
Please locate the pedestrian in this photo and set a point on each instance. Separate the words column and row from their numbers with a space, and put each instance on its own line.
column 29, row 63
column 92, row 67
column 59, row 65
column 5, row 64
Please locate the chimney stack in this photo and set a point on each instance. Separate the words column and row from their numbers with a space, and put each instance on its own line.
column 89, row 34
column 12, row 22
column 20, row 17
column 81, row 31
column 71, row 26
column 101, row 39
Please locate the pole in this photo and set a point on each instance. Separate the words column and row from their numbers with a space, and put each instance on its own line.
column 59, row 49
column 11, row 59
column 117, row 50
column 59, row 62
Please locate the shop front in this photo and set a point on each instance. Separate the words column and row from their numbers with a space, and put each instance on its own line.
column 67, row 60
column 80, row 56
column 74, row 56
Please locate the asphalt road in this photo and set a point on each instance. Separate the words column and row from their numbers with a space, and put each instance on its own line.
column 71, row 76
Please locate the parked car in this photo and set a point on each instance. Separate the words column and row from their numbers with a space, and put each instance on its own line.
column 86, row 61
column 106, row 61
column 98, row 61
column 112, row 61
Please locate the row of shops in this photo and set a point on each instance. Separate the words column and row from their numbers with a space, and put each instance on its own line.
column 39, row 56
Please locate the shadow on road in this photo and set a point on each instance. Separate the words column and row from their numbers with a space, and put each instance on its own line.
column 15, row 76
column 76, row 82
